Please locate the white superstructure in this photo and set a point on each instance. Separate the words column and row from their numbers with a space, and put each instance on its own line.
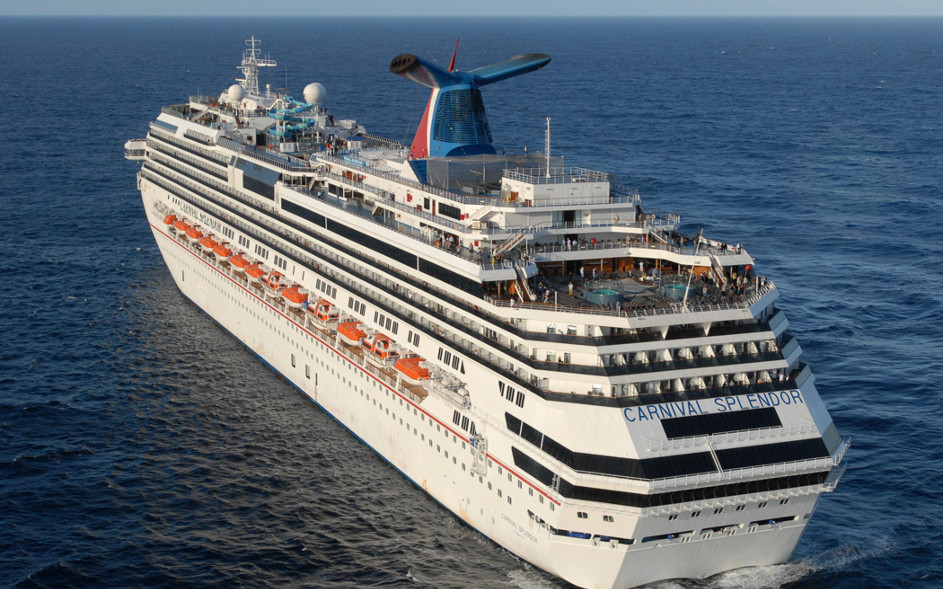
column 609, row 399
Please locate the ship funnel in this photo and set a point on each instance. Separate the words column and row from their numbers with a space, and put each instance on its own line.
column 454, row 122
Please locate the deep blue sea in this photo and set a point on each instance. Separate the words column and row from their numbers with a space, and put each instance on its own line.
column 141, row 445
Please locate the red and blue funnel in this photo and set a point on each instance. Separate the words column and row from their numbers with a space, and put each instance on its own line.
column 454, row 122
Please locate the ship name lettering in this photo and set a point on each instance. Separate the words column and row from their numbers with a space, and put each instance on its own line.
column 758, row 400
column 210, row 222
column 720, row 405
column 527, row 534
column 663, row 411
column 190, row 210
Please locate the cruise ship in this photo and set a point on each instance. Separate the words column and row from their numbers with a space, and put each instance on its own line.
column 605, row 396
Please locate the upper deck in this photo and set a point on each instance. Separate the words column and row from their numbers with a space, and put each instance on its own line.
column 610, row 247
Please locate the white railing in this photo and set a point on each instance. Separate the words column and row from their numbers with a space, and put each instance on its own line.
column 749, row 435
column 704, row 504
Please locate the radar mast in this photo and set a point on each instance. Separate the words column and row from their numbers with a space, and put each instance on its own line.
column 251, row 62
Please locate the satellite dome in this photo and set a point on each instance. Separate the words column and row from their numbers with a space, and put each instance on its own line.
column 236, row 93
column 315, row 93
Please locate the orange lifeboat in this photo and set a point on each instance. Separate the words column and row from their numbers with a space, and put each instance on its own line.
column 222, row 251
column 181, row 226
column 272, row 282
column 322, row 312
column 194, row 233
column 295, row 296
column 169, row 220
column 255, row 271
column 379, row 349
column 350, row 332
column 412, row 370
column 239, row 263
column 208, row 243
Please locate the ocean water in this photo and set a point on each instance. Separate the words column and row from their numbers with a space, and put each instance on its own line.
column 141, row 445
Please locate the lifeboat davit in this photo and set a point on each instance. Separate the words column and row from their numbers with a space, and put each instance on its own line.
column 194, row 233
column 350, row 332
column 222, row 251
column 169, row 220
column 379, row 349
column 208, row 243
column 295, row 296
column 323, row 313
column 239, row 263
column 255, row 271
column 412, row 370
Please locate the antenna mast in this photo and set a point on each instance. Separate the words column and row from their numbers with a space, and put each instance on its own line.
column 251, row 62
column 547, row 146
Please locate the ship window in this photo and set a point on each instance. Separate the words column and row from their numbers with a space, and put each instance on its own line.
column 530, row 491
column 581, row 514
column 673, row 517
column 772, row 453
column 718, row 510
column 292, row 360
column 761, row 505
column 714, row 423
column 499, row 493
column 608, row 518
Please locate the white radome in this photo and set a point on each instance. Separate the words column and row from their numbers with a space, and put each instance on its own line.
column 236, row 93
column 314, row 93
